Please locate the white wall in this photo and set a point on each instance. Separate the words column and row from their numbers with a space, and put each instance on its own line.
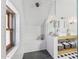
column 31, row 25
column 66, row 7
column 2, row 20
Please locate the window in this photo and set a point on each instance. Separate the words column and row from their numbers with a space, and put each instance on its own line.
column 9, row 28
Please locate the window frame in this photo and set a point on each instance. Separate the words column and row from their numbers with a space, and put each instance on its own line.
column 17, row 39
column 9, row 24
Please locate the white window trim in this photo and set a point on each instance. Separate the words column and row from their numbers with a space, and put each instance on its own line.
column 12, row 52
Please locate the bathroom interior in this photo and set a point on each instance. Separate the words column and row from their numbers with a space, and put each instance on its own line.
column 39, row 29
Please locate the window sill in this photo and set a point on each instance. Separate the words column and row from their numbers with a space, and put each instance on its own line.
column 11, row 53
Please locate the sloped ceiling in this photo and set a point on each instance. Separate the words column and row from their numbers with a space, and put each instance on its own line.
column 36, row 15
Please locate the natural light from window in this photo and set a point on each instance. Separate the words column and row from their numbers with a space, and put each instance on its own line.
column 7, row 38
